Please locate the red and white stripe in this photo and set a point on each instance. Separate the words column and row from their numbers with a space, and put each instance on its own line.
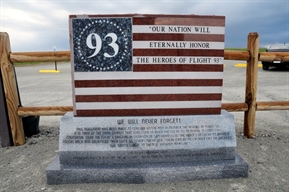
column 178, row 88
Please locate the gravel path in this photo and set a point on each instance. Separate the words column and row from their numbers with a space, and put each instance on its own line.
column 23, row 168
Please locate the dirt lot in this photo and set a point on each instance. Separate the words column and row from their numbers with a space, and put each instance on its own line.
column 23, row 168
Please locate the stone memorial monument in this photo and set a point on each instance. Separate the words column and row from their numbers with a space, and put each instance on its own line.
column 147, row 93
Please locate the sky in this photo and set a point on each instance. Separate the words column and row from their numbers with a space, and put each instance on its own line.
column 41, row 25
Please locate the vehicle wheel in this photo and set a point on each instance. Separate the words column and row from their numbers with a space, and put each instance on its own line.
column 265, row 66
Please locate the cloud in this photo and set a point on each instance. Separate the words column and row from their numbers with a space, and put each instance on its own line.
column 39, row 25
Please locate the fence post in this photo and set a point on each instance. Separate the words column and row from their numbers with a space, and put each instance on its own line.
column 10, row 89
column 251, row 84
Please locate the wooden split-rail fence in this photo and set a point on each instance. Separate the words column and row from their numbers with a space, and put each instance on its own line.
column 16, row 112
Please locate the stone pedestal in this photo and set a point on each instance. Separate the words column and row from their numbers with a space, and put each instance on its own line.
column 151, row 149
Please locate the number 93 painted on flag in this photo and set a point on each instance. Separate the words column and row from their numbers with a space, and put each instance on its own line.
column 98, row 44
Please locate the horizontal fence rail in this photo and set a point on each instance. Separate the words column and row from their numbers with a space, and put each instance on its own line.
column 273, row 56
column 40, row 56
column 273, row 105
column 65, row 56
column 61, row 110
column 44, row 111
column 231, row 107
column 252, row 56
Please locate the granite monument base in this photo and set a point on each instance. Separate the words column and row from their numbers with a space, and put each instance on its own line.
column 146, row 149
column 146, row 173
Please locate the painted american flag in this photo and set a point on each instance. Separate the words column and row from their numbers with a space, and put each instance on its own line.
column 147, row 65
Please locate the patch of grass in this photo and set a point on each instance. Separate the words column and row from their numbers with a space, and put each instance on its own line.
column 244, row 49
column 26, row 63
column 19, row 64
column 236, row 49
column 262, row 49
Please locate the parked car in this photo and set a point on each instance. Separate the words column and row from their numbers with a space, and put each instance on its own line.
column 276, row 48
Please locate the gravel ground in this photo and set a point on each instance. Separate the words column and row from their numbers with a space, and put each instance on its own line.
column 23, row 168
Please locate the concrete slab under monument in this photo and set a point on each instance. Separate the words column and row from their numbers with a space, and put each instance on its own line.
column 146, row 173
